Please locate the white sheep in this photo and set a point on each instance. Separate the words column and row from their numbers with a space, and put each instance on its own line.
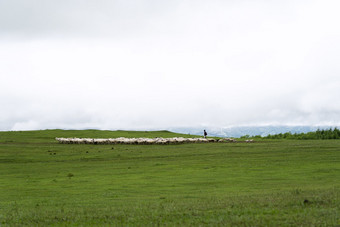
column 122, row 140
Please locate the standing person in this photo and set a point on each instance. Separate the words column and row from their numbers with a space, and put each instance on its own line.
column 205, row 134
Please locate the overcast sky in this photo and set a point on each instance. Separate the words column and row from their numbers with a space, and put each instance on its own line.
column 147, row 64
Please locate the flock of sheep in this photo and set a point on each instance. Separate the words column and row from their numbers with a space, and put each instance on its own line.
column 123, row 140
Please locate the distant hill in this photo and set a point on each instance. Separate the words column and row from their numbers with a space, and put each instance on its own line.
column 248, row 130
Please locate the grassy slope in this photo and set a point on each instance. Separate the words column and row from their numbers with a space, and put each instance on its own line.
column 264, row 183
column 48, row 136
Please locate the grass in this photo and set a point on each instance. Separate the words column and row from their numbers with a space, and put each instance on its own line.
column 48, row 136
column 266, row 183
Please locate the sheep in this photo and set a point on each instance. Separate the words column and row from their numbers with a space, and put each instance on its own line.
column 150, row 141
column 226, row 140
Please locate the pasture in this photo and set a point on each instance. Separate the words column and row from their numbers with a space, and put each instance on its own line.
column 265, row 183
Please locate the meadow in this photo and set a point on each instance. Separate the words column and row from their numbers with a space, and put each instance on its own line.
column 265, row 183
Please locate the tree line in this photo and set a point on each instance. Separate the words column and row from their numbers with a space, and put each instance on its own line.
column 320, row 134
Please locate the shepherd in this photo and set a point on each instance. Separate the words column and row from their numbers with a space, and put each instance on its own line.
column 205, row 134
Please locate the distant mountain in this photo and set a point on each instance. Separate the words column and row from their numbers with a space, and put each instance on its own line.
column 248, row 130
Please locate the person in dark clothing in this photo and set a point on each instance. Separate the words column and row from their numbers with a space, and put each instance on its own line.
column 205, row 134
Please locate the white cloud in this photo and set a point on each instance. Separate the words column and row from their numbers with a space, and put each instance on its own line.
column 142, row 64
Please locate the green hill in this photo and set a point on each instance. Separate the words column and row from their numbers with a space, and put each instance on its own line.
column 48, row 136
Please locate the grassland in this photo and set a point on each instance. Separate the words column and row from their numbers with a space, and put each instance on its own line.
column 266, row 183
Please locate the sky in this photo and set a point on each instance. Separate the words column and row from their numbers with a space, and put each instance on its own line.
column 147, row 64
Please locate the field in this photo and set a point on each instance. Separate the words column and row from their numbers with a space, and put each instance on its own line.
column 265, row 183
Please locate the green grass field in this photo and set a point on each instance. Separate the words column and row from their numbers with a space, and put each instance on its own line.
column 266, row 183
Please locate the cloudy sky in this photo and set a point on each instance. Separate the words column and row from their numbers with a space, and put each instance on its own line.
column 147, row 64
